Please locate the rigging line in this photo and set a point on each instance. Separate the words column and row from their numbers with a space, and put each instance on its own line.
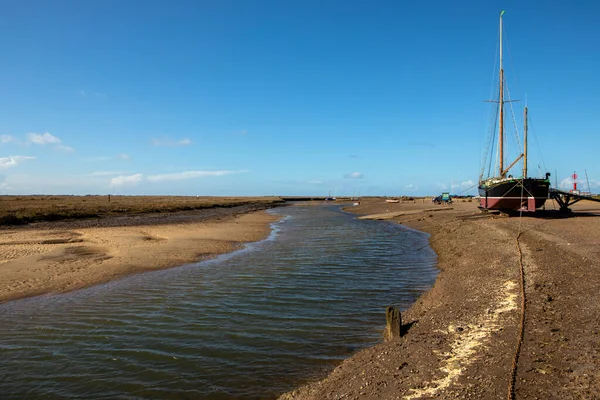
column 489, row 143
column 515, row 185
column 493, row 80
column 512, row 65
column 511, row 395
column 514, row 72
column 467, row 189
column 493, row 84
column 537, row 146
column 512, row 112
column 489, row 148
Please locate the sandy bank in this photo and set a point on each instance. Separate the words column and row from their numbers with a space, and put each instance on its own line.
column 64, row 256
column 461, row 335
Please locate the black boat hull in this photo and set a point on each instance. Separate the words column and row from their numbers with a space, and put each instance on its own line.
column 514, row 194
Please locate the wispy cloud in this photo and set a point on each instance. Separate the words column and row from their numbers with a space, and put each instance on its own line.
column 463, row 185
column 47, row 138
column 567, row 184
column 42, row 138
column 13, row 161
column 353, row 175
column 66, row 149
column 316, row 182
column 121, row 156
column 178, row 176
column 5, row 139
column 126, row 180
column 168, row 142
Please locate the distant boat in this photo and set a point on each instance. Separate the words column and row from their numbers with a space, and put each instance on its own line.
column 392, row 201
column 503, row 191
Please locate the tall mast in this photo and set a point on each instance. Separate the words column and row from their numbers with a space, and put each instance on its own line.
column 525, row 144
column 501, row 101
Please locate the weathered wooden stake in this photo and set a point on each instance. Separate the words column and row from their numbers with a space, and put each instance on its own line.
column 393, row 319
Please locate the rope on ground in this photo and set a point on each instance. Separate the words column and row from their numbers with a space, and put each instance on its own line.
column 515, row 362
column 511, row 395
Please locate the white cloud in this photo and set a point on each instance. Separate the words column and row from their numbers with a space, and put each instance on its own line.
column 315, row 182
column 167, row 142
column 42, row 138
column 123, row 156
column 47, row 138
column 178, row 176
column 567, row 184
column 462, row 185
column 66, row 149
column 354, row 175
column 126, row 180
column 13, row 161
column 5, row 139
column 409, row 186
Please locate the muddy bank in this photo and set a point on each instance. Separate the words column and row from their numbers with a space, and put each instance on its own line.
column 461, row 336
column 54, row 257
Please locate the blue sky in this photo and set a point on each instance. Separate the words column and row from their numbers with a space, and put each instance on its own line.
column 286, row 97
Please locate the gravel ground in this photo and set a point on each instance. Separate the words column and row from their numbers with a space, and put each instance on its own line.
column 461, row 336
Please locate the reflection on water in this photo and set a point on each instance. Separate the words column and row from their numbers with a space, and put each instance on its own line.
column 251, row 324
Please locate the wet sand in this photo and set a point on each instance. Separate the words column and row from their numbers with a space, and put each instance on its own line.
column 461, row 336
column 54, row 257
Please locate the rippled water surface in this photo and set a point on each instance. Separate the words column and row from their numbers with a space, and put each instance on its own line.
column 251, row 324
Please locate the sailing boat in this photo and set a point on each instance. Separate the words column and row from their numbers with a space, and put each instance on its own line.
column 503, row 192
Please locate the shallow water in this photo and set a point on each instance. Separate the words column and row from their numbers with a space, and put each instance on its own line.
column 250, row 324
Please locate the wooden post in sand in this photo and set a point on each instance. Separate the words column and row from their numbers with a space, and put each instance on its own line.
column 393, row 328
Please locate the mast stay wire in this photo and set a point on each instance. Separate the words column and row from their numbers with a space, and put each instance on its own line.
column 489, row 143
column 514, row 73
column 537, row 145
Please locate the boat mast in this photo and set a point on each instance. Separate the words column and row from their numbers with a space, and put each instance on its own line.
column 525, row 144
column 501, row 101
